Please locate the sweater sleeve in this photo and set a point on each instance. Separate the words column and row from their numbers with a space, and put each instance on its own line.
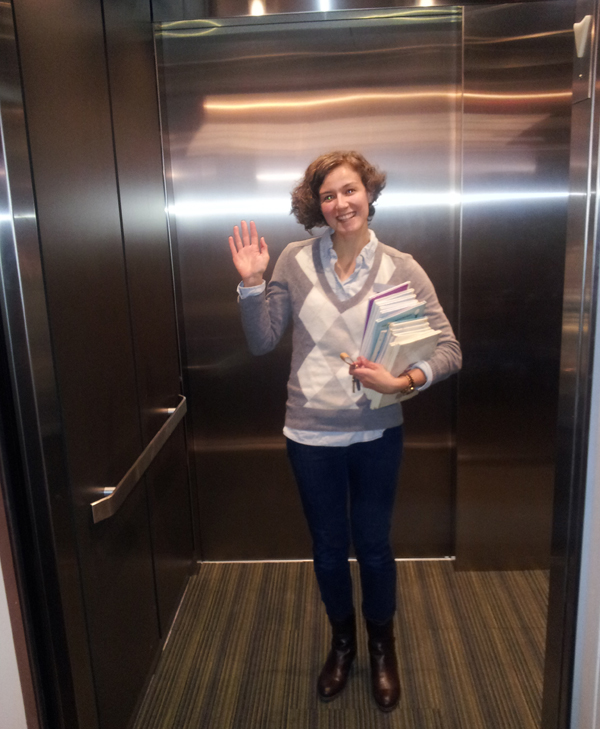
column 265, row 316
column 447, row 357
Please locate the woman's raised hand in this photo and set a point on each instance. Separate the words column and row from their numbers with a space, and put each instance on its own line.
column 250, row 256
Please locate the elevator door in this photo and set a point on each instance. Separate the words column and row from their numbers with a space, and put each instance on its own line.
column 247, row 105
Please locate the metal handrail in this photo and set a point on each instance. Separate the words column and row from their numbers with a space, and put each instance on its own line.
column 115, row 496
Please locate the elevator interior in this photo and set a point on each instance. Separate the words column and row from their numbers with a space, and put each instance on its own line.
column 476, row 193
column 467, row 109
column 247, row 107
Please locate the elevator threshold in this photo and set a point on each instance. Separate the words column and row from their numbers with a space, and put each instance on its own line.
column 302, row 561
column 249, row 640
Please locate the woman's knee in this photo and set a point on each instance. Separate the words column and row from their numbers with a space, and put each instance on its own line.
column 374, row 554
column 330, row 557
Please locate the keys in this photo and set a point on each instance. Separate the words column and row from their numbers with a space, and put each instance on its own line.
column 349, row 361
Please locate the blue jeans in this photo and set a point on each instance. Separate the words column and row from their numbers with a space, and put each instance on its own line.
column 348, row 494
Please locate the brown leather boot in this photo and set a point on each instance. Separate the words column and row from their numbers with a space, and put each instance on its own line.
column 334, row 675
column 384, row 666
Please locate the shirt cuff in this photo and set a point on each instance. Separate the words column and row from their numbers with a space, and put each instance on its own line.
column 425, row 369
column 244, row 292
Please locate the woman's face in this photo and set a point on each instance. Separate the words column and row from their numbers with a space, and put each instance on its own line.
column 345, row 201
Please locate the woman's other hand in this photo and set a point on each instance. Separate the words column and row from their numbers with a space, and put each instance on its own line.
column 375, row 377
column 250, row 256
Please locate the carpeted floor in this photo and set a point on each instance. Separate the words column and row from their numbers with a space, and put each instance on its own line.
column 249, row 641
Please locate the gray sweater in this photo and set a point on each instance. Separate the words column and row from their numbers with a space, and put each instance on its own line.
column 320, row 393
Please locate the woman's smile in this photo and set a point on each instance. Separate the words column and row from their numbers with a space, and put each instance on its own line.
column 345, row 201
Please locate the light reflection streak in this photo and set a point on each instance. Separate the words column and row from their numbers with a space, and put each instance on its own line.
column 279, row 176
column 257, row 7
column 7, row 217
column 294, row 104
column 239, row 207
column 389, row 96
column 508, row 39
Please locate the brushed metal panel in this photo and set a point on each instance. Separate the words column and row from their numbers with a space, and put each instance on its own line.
column 517, row 86
column 64, row 70
column 185, row 10
column 247, row 106
column 132, row 80
column 580, row 303
column 169, row 501
column 136, row 125
column 39, row 500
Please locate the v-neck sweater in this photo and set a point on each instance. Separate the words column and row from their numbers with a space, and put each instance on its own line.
column 320, row 396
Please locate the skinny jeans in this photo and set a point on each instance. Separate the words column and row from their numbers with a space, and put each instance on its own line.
column 348, row 496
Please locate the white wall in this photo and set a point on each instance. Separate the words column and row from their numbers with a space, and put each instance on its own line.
column 585, row 712
column 12, row 709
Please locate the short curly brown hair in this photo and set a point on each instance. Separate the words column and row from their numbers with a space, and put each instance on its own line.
column 306, row 205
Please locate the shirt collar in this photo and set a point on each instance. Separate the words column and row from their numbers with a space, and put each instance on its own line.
column 364, row 258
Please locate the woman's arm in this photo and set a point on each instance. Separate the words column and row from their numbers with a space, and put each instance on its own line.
column 265, row 316
column 446, row 359
column 375, row 377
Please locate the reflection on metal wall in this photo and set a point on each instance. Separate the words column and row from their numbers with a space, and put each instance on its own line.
column 573, row 594
column 174, row 10
column 517, row 83
column 21, row 288
column 80, row 272
column 247, row 105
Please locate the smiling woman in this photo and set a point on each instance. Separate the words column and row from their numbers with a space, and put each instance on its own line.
column 341, row 450
column 309, row 195
column 345, row 202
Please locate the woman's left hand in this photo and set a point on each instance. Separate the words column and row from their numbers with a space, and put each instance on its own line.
column 374, row 376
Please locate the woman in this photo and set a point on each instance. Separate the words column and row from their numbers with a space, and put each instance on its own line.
column 345, row 456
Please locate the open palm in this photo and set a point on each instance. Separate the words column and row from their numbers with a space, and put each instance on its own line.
column 250, row 255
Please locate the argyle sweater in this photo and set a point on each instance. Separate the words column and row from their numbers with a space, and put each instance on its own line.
column 320, row 393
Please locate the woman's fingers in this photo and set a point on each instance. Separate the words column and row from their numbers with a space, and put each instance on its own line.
column 232, row 246
column 367, row 370
column 244, row 236
column 237, row 238
column 364, row 362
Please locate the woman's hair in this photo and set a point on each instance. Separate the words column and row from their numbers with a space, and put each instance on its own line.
column 306, row 205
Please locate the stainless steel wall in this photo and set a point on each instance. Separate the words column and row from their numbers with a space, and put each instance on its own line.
column 517, row 111
column 574, row 487
column 247, row 103
column 87, row 302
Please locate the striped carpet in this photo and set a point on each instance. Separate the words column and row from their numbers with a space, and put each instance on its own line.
column 249, row 640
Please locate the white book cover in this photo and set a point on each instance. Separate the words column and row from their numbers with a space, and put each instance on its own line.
column 399, row 356
column 378, row 321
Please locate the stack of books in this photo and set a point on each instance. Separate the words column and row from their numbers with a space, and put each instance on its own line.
column 396, row 335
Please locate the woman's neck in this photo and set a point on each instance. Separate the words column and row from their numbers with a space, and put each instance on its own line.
column 347, row 249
